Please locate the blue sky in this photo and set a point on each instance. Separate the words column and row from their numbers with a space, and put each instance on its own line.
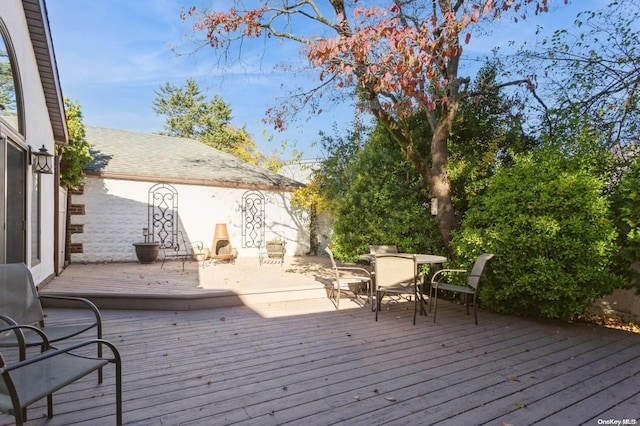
column 112, row 56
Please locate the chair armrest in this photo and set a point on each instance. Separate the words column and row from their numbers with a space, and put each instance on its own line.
column 57, row 351
column 10, row 321
column 443, row 271
column 353, row 269
column 17, row 329
column 88, row 303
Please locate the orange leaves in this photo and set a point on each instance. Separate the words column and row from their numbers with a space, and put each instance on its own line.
column 399, row 62
column 219, row 26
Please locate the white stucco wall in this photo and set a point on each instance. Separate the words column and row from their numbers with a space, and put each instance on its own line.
column 116, row 212
column 38, row 132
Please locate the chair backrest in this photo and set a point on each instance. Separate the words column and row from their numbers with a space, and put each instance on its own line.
column 395, row 269
column 389, row 248
column 18, row 295
column 478, row 267
column 330, row 253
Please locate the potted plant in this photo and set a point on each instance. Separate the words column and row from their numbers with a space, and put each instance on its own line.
column 147, row 251
column 275, row 248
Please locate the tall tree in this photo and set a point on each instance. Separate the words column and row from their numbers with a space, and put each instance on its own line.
column 75, row 156
column 589, row 75
column 189, row 114
column 403, row 59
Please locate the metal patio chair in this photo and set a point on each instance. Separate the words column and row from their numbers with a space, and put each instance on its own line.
column 440, row 281
column 20, row 304
column 397, row 275
column 347, row 278
column 29, row 380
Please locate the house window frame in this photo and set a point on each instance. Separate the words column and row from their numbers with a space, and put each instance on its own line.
column 12, row 133
column 17, row 84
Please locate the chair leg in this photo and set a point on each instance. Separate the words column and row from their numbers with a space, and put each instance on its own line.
column 475, row 308
column 415, row 306
column 118, row 391
column 466, row 302
column 435, row 303
column 377, row 303
column 49, row 406
column 373, row 293
column 432, row 291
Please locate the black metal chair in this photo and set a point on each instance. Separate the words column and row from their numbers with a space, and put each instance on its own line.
column 20, row 304
column 29, row 380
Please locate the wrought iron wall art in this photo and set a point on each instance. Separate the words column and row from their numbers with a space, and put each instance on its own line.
column 163, row 214
column 252, row 219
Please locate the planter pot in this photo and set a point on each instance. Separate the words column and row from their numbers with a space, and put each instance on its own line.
column 147, row 252
column 275, row 250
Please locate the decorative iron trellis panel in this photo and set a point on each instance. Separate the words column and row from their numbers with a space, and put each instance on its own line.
column 252, row 219
column 163, row 214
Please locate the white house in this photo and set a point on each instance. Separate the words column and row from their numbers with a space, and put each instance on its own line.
column 31, row 117
column 167, row 184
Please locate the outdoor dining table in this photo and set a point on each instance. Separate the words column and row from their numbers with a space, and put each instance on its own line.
column 421, row 259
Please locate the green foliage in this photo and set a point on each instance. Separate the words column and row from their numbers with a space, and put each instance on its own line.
column 190, row 115
column 591, row 70
column 380, row 201
column 548, row 224
column 7, row 87
column 626, row 212
column 76, row 155
column 485, row 133
column 389, row 192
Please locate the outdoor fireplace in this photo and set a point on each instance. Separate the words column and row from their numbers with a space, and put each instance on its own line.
column 221, row 248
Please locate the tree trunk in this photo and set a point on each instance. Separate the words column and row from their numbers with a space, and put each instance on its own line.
column 441, row 186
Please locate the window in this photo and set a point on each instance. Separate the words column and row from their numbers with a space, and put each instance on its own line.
column 13, row 160
column 10, row 100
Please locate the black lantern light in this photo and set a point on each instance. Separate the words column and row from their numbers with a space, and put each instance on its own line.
column 42, row 161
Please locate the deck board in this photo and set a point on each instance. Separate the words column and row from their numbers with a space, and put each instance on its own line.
column 302, row 362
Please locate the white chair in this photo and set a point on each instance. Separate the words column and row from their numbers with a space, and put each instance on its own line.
column 348, row 278
column 397, row 275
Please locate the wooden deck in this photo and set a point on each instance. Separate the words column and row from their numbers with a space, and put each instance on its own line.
column 138, row 286
column 301, row 362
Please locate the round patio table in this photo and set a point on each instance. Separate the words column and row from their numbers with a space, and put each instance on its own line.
column 421, row 259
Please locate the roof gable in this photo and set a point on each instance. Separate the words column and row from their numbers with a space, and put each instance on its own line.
column 38, row 23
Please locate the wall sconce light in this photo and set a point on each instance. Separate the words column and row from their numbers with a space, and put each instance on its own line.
column 42, row 161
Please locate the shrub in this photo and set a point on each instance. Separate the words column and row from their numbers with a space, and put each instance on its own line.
column 547, row 222
column 626, row 213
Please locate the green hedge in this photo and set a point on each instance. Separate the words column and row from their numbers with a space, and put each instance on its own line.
column 548, row 224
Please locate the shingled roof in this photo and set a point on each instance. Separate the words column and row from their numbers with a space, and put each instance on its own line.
column 144, row 156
